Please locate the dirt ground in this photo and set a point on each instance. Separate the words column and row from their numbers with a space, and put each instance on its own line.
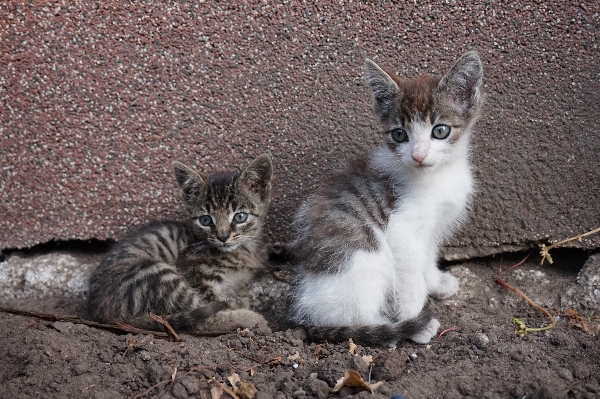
column 480, row 357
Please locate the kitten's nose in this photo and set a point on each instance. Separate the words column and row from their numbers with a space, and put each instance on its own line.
column 222, row 236
column 418, row 158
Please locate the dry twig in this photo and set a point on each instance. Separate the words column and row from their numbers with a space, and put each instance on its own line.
column 575, row 319
column 522, row 328
column 172, row 334
column 118, row 327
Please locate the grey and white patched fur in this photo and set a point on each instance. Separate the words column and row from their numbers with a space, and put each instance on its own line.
column 367, row 241
column 192, row 270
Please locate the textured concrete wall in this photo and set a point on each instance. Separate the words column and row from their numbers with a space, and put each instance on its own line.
column 97, row 99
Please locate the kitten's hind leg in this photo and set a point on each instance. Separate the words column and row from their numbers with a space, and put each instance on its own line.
column 230, row 320
column 440, row 284
column 192, row 319
column 425, row 335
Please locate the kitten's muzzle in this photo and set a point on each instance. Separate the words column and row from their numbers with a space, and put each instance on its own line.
column 222, row 236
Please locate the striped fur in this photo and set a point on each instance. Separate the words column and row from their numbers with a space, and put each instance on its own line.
column 188, row 271
column 367, row 241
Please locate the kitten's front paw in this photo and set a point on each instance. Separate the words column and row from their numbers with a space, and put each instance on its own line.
column 425, row 335
column 447, row 285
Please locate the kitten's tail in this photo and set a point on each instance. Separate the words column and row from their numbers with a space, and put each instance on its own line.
column 375, row 335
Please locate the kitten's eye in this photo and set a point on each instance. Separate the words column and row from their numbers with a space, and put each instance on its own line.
column 440, row 132
column 205, row 220
column 399, row 135
column 240, row 217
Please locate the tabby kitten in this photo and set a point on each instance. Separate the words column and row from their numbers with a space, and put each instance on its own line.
column 189, row 271
column 367, row 242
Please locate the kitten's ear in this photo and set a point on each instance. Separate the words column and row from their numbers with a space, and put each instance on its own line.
column 384, row 90
column 460, row 87
column 191, row 183
column 257, row 177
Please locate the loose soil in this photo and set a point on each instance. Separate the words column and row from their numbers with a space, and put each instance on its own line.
column 480, row 357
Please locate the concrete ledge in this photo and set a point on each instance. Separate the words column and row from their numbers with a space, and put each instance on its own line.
column 99, row 98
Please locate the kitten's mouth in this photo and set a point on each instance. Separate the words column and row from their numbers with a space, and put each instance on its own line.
column 423, row 166
column 227, row 246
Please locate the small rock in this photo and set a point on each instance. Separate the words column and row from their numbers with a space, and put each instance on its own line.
column 389, row 366
column 318, row 388
column 62, row 326
column 191, row 384
column 145, row 356
column 413, row 356
column 580, row 371
column 564, row 373
column 179, row 391
column 300, row 393
column 481, row 340
column 80, row 367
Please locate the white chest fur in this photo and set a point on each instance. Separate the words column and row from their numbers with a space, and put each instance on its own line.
column 432, row 205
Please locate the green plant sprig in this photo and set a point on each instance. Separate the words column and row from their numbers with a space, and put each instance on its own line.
column 545, row 251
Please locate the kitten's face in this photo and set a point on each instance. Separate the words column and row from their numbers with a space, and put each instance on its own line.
column 427, row 121
column 228, row 210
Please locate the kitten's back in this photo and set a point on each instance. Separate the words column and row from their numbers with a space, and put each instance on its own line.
column 342, row 216
column 139, row 274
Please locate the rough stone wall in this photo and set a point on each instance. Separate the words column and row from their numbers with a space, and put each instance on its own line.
column 97, row 99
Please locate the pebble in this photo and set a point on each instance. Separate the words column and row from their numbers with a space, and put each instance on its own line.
column 480, row 340
column 300, row 393
column 179, row 391
column 191, row 384
column 62, row 326
column 564, row 373
column 318, row 388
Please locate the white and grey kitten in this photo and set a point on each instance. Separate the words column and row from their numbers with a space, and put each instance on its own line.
column 367, row 242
